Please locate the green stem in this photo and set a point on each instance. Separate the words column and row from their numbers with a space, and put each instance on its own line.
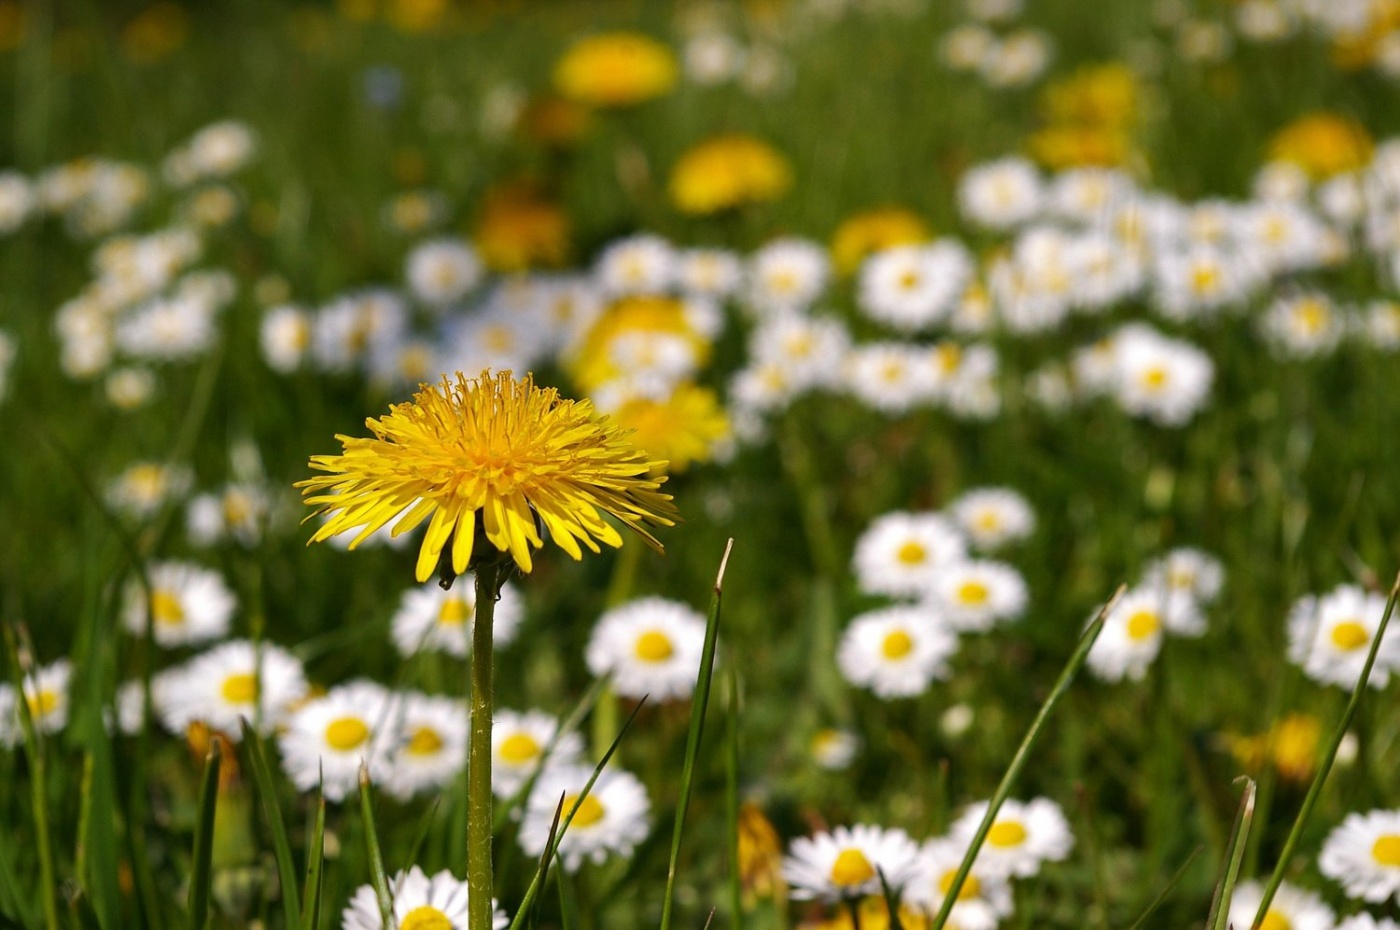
column 479, row 878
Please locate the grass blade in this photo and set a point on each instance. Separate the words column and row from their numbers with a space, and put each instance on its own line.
column 315, row 868
column 266, row 790
column 1234, row 855
column 378, row 876
column 735, row 879
column 202, row 876
column 548, row 853
column 1338, row 735
column 891, row 902
column 697, row 731
column 1167, row 889
column 1018, row 761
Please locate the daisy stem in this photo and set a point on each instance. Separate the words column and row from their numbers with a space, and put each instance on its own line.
column 1315, row 789
column 479, row 878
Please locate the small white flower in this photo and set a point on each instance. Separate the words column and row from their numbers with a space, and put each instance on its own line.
column 330, row 737
column 651, row 646
column 442, row 271
column 1330, row 637
column 896, row 651
column 46, row 694
column 891, row 377
column 1131, row 637
column 1305, row 325
column 611, row 820
column 1023, row 837
column 900, row 552
column 234, row 680
column 912, row 287
column 1363, row 854
column 237, row 512
column 713, row 273
column 993, row 517
column 984, row 899
column 431, row 747
column 518, row 744
column 430, row 619
column 285, row 336
column 420, row 903
column 1292, row 908
column 1001, row 194
column 847, row 862
column 1166, row 380
column 976, row 594
column 1193, row 571
column 187, row 604
column 787, row 275
column 834, row 749
column 640, row 264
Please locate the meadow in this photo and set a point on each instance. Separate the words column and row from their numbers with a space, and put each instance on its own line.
column 1036, row 359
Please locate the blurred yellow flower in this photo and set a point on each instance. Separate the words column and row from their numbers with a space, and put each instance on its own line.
column 616, row 69
column 1354, row 49
column 416, row 15
column 760, row 854
column 1060, row 147
column 726, row 172
column 489, row 459
column 1098, row 95
column 1290, row 745
column 873, row 230
column 520, row 228
column 593, row 362
column 1323, row 144
column 12, row 24
column 554, row 121
column 156, row 33
column 874, row 915
column 681, row 429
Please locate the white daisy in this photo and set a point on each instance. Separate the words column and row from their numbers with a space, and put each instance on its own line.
column 976, row 594
column 611, row 820
column 17, row 201
column 651, row 646
column 896, row 651
column 640, row 264
column 284, row 337
column 787, row 275
column 1305, row 325
column 1000, row 194
column 1131, row 637
column 431, row 747
column 430, row 619
column 234, row 681
column 145, row 487
column 1365, row 921
column 420, row 903
column 1197, row 282
column 440, row 272
column 984, row 899
column 1363, row 854
column 518, row 743
column 806, row 351
column 891, row 377
column 713, row 273
column 899, row 553
column 846, row 863
column 912, row 287
column 993, row 517
column 168, row 329
column 1330, row 637
column 1023, row 836
column 834, row 749
column 1194, row 571
column 1291, row 909
column 188, row 604
column 1165, row 380
column 1086, row 195
column 46, row 694
column 128, row 388
column 238, row 512
column 333, row 734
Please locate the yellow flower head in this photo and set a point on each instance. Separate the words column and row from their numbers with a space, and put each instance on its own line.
column 726, row 172
column 494, row 459
column 616, row 69
column 760, row 853
column 1061, row 147
column 1290, row 745
column 872, row 231
column 1323, row 144
column 681, row 429
column 521, row 228
column 593, row 362
column 554, row 121
column 1105, row 96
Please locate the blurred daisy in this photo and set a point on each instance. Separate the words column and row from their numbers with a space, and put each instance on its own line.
column 787, row 275
column 896, row 651
column 128, row 388
column 442, row 271
column 1305, row 325
column 992, row 517
column 46, row 694
column 834, row 749
column 641, row 264
column 420, row 903
column 188, row 604
column 912, row 287
column 846, row 863
column 1330, row 637
column 1292, row 908
column 432, row 744
column 1000, row 194
column 1364, row 921
column 651, row 646
column 807, row 351
column 284, row 337
column 1363, row 854
column 234, row 681
column 891, row 377
column 900, row 552
column 430, row 619
column 1131, row 637
column 976, row 594
column 518, row 743
column 145, row 487
column 984, row 899
column 1165, row 380
column 329, row 737
column 1024, row 835
column 17, row 201
column 131, row 701
column 1193, row 571
column 611, row 820
column 238, row 513
column 715, row 273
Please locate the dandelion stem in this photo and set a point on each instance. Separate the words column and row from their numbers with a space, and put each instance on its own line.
column 479, row 878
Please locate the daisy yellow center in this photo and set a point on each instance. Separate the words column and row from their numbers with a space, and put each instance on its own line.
column 654, row 646
column 239, row 688
column 912, row 553
column 909, row 280
column 346, row 733
column 237, row 509
column 783, row 282
column 518, row 748
column 1386, row 850
column 1006, row 834
column 166, row 609
column 454, row 612
column 892, row 372
column 426, row 917
column 1143, row 624
column 1349, row 636
column 800, row 345
column 851, row 868
column 42, row 704
column 897, row 645
column 1312, row 316
column 988, row 521
column 1205, row 280
column 586, row 812
column 949, row 356
column 1181, row 578
column 1275, row 921
column 973, row 593
column 971, row 887
column 1154, row 377
column 424, row 742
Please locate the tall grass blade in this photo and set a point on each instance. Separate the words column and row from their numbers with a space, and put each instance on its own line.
column 891, row 901
column 315, row 868
column 379, row 877
column 202, row 875
column 1167, row 889
column 735, row 879
column 1234, row 855
column 697, row 731
column 548, row 854
column 266, row 790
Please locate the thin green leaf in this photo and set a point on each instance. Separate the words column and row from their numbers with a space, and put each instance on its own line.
column 1219, row 916
column 1167, row 889
column 733, row 880
column 266, row 790
column 315, row 868
column 891, row 901
column 202, row 876
column 379, row 877
column 548, row 854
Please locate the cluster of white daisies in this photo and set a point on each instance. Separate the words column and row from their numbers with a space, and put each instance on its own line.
column 926, row 562
column 992, row 47
column 848, row 862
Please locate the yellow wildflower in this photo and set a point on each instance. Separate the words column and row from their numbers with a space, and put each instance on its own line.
column 873, row 230
column 592, row 363
column 726, row 172
column 520, row 228
column 680, row 429
column 616, row 69
column 1323, row 144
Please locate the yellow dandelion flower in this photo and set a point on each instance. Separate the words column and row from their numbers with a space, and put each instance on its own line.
column 726, row 172
column 521, row 228
column 594, row 363
column 1061, row 147
column 873, row 231
column 760, row 853
column 1323, row 144
column 489, row 459
column 616, row 69
column 1105, row 96
column 681, row 429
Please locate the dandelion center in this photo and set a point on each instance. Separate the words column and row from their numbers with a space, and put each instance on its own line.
column 1349, row 635
column 1006, row 834
column 518, row 748
column 851, row 868
column 346, row 733
column 42, row 704
column 1142, row 625
column 971, row 887
column 897, row 645
column 426, row 917
column 424, row 742
column 1386, row 850
column 586, row 812
column 973, row 593
column 912, row 553
column 166, row 609
column 1275, row 921
column 239, row 688
column 654, row 646
column 454, row 611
